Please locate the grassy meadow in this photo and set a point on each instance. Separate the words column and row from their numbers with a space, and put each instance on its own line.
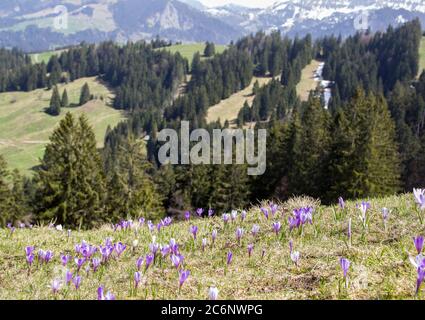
column 378, row 255
column 307, row 82
column 25, row 127
column 188, row 50
column 228, row 109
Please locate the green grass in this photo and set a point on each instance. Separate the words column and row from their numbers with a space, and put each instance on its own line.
column 188, row 50
column 422, row 56
column 380, row 267
column 228, row 109
column 44, row 56
column 307, row 82
column 25, row 127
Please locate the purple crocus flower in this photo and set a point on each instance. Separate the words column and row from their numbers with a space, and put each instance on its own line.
column 255, row 229
column 102, row 296
column 273, row 208
column 199, row 212
column 95, row 264
column 364, row 206
column 139, row 263
column 210, row 212
column 137, row 279
column 65, row 258
column 385, row 214
column 250, row 248
column 48, row 256
column 243, row 215
column 176, row 260
column 239, row 234
column 119, row 248
column 184, row 274
column 234, row 215
column 295, row 257
column 79, row 262
column 229, row 257
column 276, row 227
column 151, row 226
column 141, row 221
column 68, row 277
column 420, row 197
column 345, row 265
column 341, row 203
column 29, row 250
column 174, row 247
column 213, row 293
column 187, row 215
column 226, row 218
column 153, row 247
column 149, row 260
column 420, row 279
column 214, row 235
column 165, row 250
column 77, row 281
column 55, row 286
column 419, row 243
column 30, row 259
column 193, row 230
column 167, row 221
column 265, row 212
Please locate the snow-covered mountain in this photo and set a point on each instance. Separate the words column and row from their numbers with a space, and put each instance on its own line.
column 30, row 24
column 320, row 17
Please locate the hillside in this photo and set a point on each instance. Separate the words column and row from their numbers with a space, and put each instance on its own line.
column 26, row 127
column 189, row 49
column 228, row 109
column 307, row 82
column 379, row 269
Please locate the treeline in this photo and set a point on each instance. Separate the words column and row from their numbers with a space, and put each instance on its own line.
column 374, row 62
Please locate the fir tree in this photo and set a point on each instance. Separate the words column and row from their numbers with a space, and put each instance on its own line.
column 85, row 95
column 55, row 103
column 70, row 183
column 65, row 101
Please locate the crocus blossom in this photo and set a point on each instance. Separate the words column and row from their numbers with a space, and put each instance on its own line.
column 77, row 281
column 148, row 260
column 419, row 198
column 239, row 234
column 55, row 286
column 213, row 293
column 229, row 257
column 137, row 279
column 295, row 257
column 199, row 212
column 345, row 265
column 300, row 217
column 255, row 229
column 139, row 262
column 214, row 235
column 194, row 231
column 276, row 227
column 234, row 215
column 250, row 248
column 102, row 296
column 176, row 260
column 184, row 274
column 419, row 243
column 364, row 206
column 204, row 243
column 341, row 203
column 187, row 215
column 265, row 212
column 65, row 258
column 226, row 217
column 243, row 215
column 210, row 212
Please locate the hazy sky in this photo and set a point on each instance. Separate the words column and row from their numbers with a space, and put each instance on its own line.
column 247, row 3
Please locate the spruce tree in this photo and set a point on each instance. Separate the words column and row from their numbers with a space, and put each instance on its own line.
column 85, row 95
column 209, row 50
column 364, row 160
column 131, row 190
column 65, row 101
column 55, row 103
column 70, row 183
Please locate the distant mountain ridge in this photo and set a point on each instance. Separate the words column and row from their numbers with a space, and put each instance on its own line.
column 30, row 24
